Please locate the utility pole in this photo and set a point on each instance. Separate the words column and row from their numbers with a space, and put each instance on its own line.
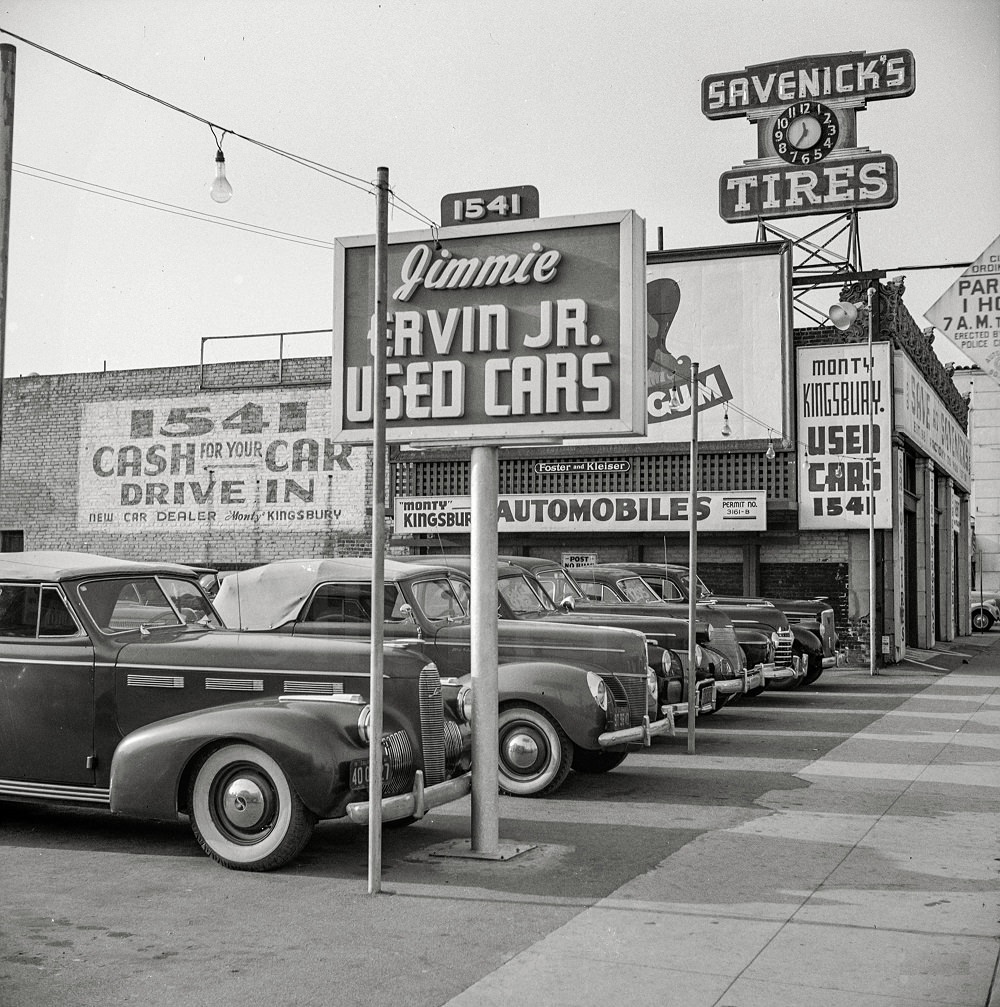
column 8, row 60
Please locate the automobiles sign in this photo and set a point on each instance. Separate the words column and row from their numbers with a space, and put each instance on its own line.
column 528, row 329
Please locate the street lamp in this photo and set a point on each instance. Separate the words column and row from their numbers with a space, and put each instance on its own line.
column 843, row 315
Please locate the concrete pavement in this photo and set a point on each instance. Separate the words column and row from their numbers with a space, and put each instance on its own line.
column 877, row 885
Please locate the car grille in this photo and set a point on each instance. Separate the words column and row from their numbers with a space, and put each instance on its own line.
column 633, row 690
column 783, row 650
column 397, row 756
column 432, row 725
column 829, row 632
column 724, row 640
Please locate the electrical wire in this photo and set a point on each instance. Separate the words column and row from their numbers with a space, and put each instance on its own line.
column 43, row 174
column 346, row 178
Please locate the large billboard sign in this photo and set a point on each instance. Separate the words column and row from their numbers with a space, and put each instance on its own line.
column 239, row 462
column 734, row 511
column 844, row 456
column 968, row 312
column 805, row 110
column 729, row 309
column 524, row 330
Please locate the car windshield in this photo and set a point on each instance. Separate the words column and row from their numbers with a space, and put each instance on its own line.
column 684, row 578
column 559, row 584
column 523, row 597
column 123, row 604
column 636, row 589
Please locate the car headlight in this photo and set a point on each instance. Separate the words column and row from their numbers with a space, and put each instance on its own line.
column 774, row 639
column 710, row 629
column 365, row 724
column 598, row 689
column 822, row 630
column 676, row 667
column 699, row 655
column 464, row 702
column 652, row 684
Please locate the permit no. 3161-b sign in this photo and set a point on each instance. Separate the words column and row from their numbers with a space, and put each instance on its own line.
column 521, row 330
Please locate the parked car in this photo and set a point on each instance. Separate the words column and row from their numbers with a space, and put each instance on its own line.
column 722, row 657
column 571, row 697
column 985, row 614
column 120, row 688
column 608, row 589
column 522, row 597
column 790, row 656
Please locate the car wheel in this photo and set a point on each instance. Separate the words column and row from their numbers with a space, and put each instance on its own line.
column 753, row 693
column 982, row 621
column 720, row 701
column 535, row 754
column 244, row 812
column 586, row 760
column 815, row 669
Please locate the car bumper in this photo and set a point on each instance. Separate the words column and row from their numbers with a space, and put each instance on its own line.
column 642, row 733
column 706, row 700
column 784, row 672
column 752, row 678
column 416, row 803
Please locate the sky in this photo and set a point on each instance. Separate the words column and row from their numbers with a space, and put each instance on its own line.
column 597, row 104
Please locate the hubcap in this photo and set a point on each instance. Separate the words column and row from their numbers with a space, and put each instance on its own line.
column 521, row 751
column 244, row 803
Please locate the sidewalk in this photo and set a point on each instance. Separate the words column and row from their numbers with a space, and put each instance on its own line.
column 878, row 885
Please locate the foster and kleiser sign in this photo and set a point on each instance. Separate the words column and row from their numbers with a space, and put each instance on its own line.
column 527, row 329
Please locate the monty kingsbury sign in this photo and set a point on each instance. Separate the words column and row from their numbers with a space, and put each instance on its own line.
column 549, row 512
column 844, row 456
column 527, row 329
column 805, row 109
column 217, row 461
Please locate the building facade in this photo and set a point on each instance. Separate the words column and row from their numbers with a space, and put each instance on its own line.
column 230, row 466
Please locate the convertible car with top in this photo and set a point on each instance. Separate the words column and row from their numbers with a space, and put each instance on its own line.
column 120, row 688
column 572, row 697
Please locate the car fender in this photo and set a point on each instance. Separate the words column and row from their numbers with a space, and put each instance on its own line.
column 309, row 738
column 560, row 690
column 809, row 641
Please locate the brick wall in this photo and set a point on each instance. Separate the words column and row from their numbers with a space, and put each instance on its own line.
column 46, row 422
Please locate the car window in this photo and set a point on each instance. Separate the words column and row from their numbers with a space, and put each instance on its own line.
column 30, row 610
column 559, row 585
column 121, row 604
column 523, row 597
column 636, row 589
column 346, row 603
column 595, row 592
column 441, row 598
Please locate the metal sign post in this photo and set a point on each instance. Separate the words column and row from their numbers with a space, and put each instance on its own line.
column 485, row 685
column 693, row 566
column 378, row 530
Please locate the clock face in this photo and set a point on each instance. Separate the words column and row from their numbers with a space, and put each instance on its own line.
column 805, row 132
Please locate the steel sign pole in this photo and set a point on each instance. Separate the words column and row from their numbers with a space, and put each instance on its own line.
column 693, row 565
column 871, row 481
column 484, row 480
column 378, row 530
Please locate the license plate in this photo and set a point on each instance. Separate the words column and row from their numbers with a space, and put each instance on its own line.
column 361, row 773
column 706, row 699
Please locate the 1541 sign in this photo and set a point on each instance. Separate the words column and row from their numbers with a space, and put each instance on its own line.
column 484, row 206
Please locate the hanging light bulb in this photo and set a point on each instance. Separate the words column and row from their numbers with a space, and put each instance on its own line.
column 675, row 399
column 769, row 454
column 221, row 190
column 726, row 430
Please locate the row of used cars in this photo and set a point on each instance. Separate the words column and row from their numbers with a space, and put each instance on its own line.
column 122, row 685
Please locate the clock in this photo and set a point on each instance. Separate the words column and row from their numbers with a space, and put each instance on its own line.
column 805, row 132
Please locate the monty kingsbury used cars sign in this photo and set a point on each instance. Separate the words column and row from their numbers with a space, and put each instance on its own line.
column 805, row 110
column 522, row 330
column 547, row 512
